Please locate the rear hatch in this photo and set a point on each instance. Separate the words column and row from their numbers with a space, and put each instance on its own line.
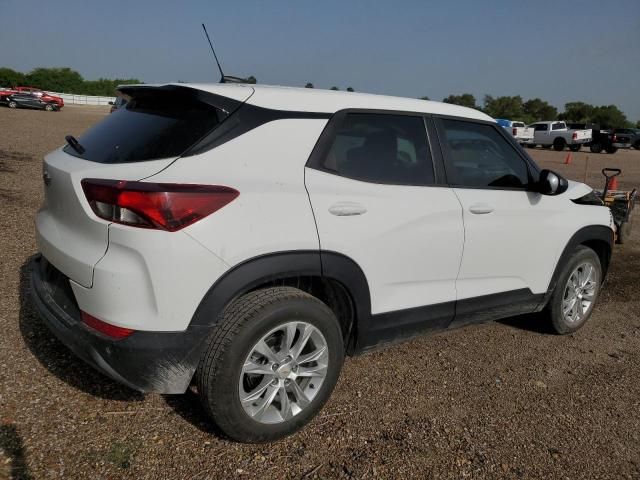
column 156, row 127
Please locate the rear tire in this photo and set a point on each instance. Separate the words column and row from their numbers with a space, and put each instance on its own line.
column 611, row 149
column 559, row 144
column 575, row 148
column 48, row 107
column 546, row 146
column 576, row 292
column 530, row 145
column 233, row 365
column 595, row 148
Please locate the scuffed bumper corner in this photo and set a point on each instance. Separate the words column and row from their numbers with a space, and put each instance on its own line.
column 160, row 362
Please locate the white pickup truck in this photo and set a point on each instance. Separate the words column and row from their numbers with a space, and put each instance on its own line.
column 556, row 134
column 519, row 130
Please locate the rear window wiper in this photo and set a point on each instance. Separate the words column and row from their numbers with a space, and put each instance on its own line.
column 73, row 143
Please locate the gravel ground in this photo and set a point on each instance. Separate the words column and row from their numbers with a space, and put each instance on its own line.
column 500, row 400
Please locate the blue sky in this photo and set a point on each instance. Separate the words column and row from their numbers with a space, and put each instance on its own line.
column 557, row 50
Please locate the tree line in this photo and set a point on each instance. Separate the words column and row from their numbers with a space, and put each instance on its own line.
column 62, row 80
column 67, row 80
column 536, row 109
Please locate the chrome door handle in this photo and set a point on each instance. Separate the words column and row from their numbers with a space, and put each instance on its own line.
column 347, row 209
column 480, row 208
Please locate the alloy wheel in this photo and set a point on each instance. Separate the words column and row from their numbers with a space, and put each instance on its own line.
column 283, row 372
column 579, row 293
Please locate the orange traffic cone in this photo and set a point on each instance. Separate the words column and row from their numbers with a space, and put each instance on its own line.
column 613, row 184
column 567, row 161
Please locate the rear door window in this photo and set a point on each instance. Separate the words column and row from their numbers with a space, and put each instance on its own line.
column 153, row 124
column 381, row 148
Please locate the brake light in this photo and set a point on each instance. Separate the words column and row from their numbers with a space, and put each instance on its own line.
column 163, row 206
column 614, row 138
column 575, row 135
column 105, row 328
column 515, row 131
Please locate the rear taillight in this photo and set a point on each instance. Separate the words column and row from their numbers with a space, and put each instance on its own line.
column 515, row 131
column 113, row 331
column 575, row 135
column 614, row 138
column 164, row 206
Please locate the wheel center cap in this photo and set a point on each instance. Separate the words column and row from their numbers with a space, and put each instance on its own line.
column 284, row 370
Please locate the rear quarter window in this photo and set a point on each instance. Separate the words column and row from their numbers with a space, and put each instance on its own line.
column 153, row 124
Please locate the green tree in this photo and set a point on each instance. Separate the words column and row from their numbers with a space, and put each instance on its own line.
column 609, row 116
column 350, row 89
column 309, row 85
column 424, row 98
column 578, row 112
column 334, row 88
column 638, row 124
column 56, row 79
column 465, row 100
column 251, row 79
column 504, row 107
column 10, row 78
column 536, row 110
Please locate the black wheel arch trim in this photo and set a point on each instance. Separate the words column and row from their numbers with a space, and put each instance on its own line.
column 584, row 236
column 262, row 269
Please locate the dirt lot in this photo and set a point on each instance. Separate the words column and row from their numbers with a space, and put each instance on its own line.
column 500, row 400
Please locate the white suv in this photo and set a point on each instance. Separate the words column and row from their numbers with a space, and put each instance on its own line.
column 245, row 238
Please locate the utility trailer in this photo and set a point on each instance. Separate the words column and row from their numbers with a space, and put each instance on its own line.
column 621, row 204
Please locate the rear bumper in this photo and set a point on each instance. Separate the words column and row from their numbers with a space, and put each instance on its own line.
column 621, row 145
column 145, row 361
column 579, row 141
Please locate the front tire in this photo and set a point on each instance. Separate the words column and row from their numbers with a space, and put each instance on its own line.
column 48, row 107
column 13, row 105
column 576, row 292
column 575, row 148
column 611, row 149
column 271, row 363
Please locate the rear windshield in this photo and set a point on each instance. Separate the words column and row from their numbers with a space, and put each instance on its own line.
column 153, row 124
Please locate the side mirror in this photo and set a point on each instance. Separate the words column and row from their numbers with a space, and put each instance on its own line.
column 551, row 183
column 110, row 103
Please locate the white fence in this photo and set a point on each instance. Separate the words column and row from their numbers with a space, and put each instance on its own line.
column 70, row 98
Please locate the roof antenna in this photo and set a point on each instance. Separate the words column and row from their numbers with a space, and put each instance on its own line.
column 223, row 78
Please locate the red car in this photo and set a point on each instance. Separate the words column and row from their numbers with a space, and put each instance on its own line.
column 36, row 91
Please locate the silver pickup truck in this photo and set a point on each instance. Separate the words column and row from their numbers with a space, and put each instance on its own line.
column 556, row 134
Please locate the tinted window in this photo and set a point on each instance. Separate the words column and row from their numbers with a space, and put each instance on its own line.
column 540, row 127
column 517, row 124
column 379, row 148
column 478, row 156
column 558, row 126
column 153, row 124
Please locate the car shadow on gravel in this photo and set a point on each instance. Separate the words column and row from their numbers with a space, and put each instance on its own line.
column 188, row 406
column 57, row 358
column 532, row 322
